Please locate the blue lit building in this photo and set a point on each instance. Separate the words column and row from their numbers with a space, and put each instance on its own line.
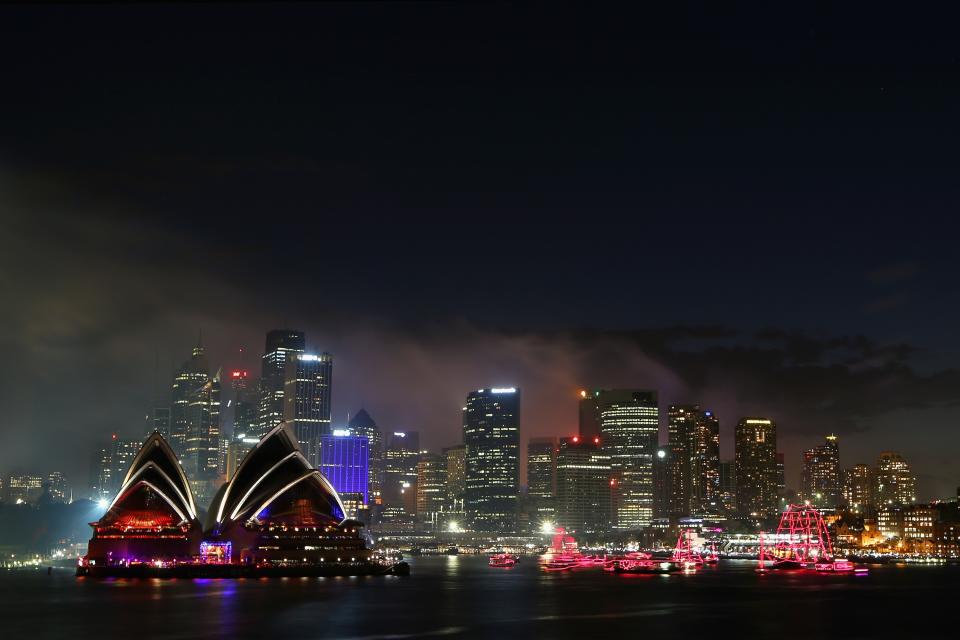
column 345, row 462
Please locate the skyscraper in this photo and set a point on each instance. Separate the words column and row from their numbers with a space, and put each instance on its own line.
column 728, row 485
column 541, row 479
column 895, row 481
column 583, row 486
column 681, row 426
column 280, row 344
column 431, row 489
column 160, row 422
column 456, row 477
column 858, row 488
column 201, row 458
column 361, row 424
column 189, row 379
column 705, row 463
column 400, row 477
column 306, row 399
column 820, row 474
column 56, row 488
column 629, row 423
column 756, row 467
column 589, row 414
column 345, row 461
column 491, row 434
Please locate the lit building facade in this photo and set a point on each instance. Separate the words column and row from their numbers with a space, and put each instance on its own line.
column 895, row 481
column 400, row 478
column 456, row 477
column 201, row 458
column 756, row 467
column 280, row 345
column 705, row 463
column 345, row 462
column 361, row 424
column 56, row 489
column 589, row 414
column 431, row 489
column 22, row 488
column 629, row 425
column 491, row 435
column 820, row 475
column 541, row 479
column 584, row 491
column 306, row 398
column 189, row 379
column 858, row 488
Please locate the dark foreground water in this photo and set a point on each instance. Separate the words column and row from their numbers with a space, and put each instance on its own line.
column 461, row 597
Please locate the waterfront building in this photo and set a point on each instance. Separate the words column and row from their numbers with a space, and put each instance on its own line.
column 756, row 467
column 629, row 425
column 279, row 511
column 431, row 489
column 456, row 477
column 919, row 521
column 280, row 344
column 541, row 480
column 895, row 482
column 781, row 475
column 583, row 486
column 491, row 435
column 589, row 414
column 890, row 520
column 306, row 398
column 152, row 518
column 345, row 462
column 820, row 475
column 858, row 488
column 202, row 457
column 23, row 488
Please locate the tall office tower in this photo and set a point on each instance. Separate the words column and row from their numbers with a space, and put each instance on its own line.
column 781, row 476
column 400, row 476
column 280, row 344
column 100, row 472
column 681, row 425
column 728, row 485
column 361, row 424
column 583, row 486
column 456, row 477
column 820, row 475
column 56, row 489
column 542, row 479
column 756, row 467
column 589, row 414
column 239, row 419
column 661, row 483
column 858, row 485
column 160, row 421
column 122, row 453
column 306, row 400
column 895, row 483
column 201, row 458
column 705, row 463
column 431, row 489
column 189, row 379
column 629, row 423
column 491, row 434
column 344, row 460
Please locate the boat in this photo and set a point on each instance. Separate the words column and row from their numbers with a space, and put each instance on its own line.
column 712, row 557
column 502, row 560
column 647, row 566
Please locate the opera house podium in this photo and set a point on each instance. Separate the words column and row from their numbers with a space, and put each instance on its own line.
column 277, row 515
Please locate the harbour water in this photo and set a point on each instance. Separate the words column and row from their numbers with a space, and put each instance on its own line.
column 460, row 596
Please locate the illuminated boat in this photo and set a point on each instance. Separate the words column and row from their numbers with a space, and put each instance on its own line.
column 646, row 566
column 504, row 560
column 712, row 557
column 684, row 554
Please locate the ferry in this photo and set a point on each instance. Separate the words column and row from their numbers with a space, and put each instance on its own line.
column 502, row 560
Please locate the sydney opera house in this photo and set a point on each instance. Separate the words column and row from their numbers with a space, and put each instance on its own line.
column 277, row 515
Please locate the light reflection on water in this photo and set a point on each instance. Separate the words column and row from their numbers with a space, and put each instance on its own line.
column 460, row 596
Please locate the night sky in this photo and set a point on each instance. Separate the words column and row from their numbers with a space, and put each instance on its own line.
column 752, row 210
